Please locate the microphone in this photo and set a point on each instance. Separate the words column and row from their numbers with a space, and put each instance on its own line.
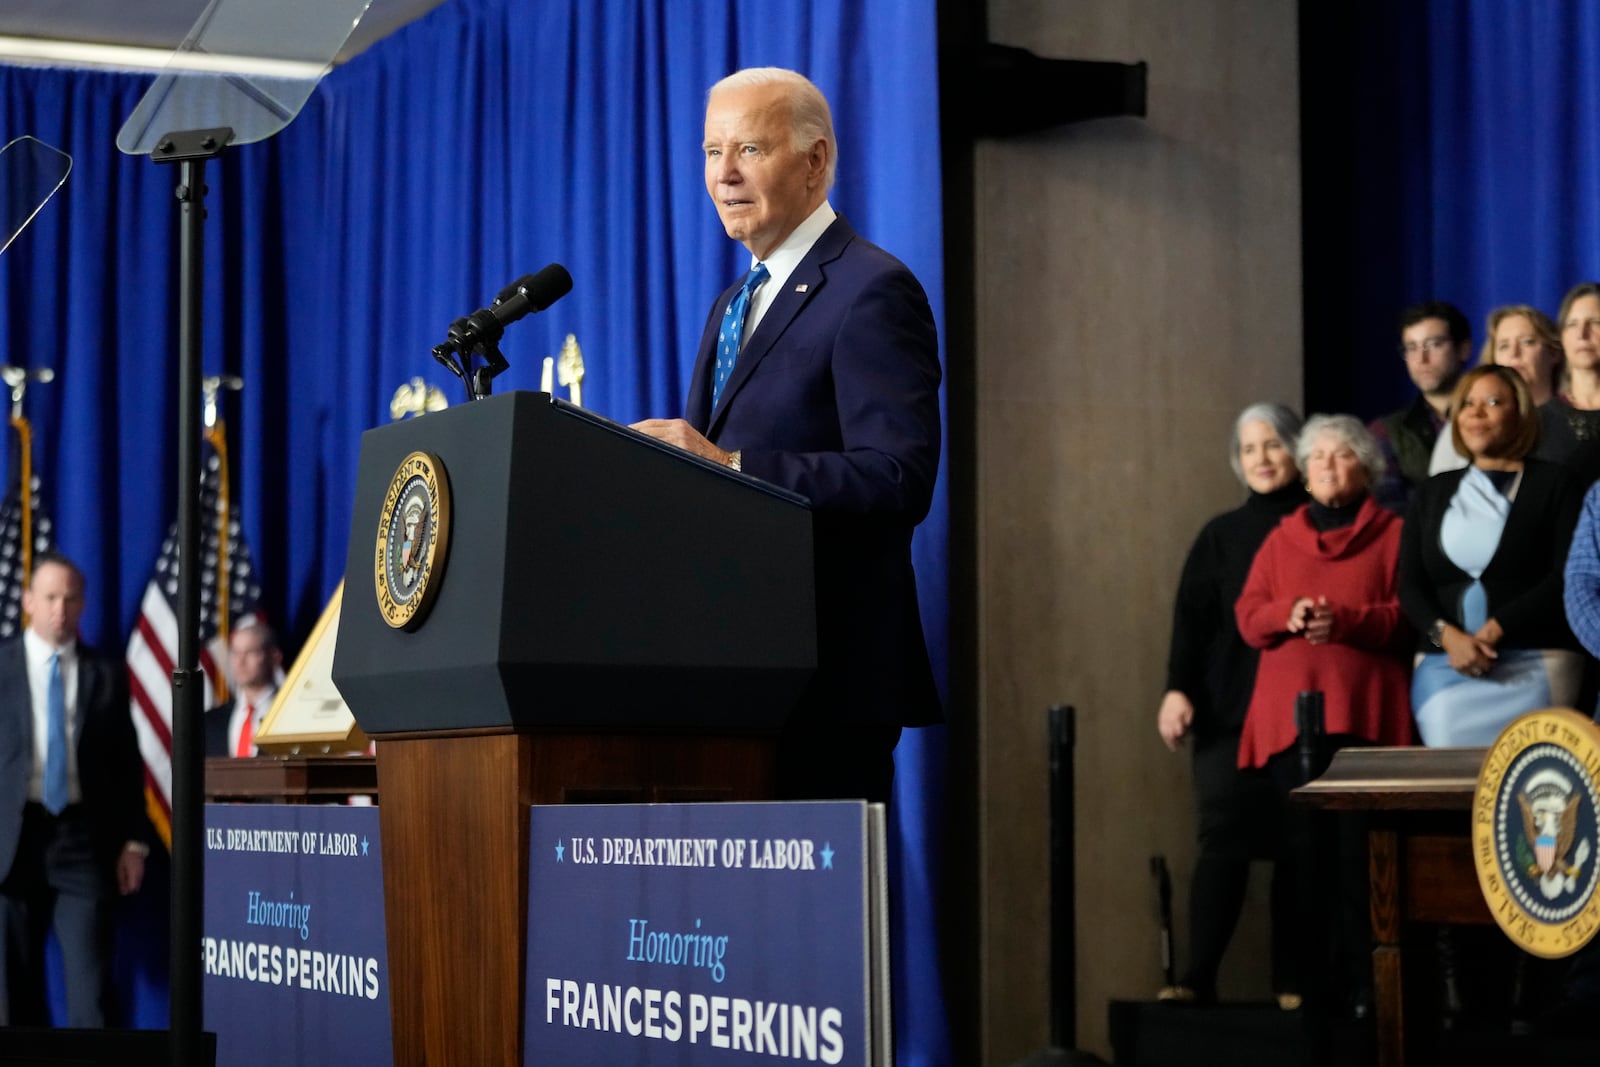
column 528, row 294
column 532, row 292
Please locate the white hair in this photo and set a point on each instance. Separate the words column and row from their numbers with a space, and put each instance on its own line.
column 1350, row 430
column 809, row 116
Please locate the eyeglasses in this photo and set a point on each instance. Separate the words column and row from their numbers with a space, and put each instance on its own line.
column 1433, row 345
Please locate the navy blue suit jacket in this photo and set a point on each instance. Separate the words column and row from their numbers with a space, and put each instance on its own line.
column 216, row 722
column 835, row 396
column 110, row 771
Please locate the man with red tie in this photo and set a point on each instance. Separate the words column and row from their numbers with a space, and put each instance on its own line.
column 254, row 659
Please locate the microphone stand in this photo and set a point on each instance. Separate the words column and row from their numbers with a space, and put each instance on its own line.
column 457, row 353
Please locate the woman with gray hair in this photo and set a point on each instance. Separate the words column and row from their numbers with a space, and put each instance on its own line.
column 1210, row 671
column 1322, row 604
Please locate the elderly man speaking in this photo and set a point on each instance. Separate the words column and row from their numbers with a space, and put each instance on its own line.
column 819, row 372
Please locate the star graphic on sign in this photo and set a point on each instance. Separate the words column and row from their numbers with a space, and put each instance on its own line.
column 827, row 855
column 363, row 846
column 560, row 852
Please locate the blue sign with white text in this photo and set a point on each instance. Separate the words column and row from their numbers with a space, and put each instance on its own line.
column 295, row 965
column 698, row 933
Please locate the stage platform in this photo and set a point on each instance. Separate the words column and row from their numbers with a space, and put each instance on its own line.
column 1156, row 1034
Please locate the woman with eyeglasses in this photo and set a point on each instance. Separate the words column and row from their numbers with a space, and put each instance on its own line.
column 1481, row 560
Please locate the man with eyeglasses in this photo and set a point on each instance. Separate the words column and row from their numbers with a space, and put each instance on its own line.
column 1436, row 343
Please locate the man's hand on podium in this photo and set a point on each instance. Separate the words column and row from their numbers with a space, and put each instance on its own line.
column 680, row 433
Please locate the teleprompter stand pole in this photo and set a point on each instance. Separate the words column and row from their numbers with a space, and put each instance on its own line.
column 190, row 150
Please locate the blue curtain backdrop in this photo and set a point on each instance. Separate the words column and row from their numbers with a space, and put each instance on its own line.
column 486, row 140
column 1458, row 161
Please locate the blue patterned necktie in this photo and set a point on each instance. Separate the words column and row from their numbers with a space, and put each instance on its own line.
column 55, row 755
column 732, row 331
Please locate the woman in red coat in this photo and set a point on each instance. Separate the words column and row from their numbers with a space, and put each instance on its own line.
column 1322, row 604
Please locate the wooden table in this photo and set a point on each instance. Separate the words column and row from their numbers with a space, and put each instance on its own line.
column 291, row 779
column 1420, row 864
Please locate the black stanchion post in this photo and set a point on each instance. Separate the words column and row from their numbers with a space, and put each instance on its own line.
column 1063, row 903
column 1310, row 724
column 1163, row 877
column 1063, row 882
column 1311, row 731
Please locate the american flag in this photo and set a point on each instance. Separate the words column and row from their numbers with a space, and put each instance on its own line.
column 228, row 590
column 12, row 578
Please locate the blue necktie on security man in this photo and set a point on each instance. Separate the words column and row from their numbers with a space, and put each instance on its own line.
column 732, row 332
column 55, row 755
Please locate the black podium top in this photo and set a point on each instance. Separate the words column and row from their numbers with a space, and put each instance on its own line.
column 594, row 578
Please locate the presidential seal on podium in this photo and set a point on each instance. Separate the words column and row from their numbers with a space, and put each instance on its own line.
column 413, row 540
column 1535, row 822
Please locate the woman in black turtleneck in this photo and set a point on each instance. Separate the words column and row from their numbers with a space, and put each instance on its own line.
column 1210, row 672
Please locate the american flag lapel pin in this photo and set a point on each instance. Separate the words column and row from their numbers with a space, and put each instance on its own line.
column 802, row 287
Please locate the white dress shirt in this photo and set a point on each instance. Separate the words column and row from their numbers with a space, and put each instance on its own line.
column 258, row 707
column 782, row 262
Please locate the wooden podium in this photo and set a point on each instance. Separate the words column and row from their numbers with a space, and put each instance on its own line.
column 616, row 620
column 1419, row 854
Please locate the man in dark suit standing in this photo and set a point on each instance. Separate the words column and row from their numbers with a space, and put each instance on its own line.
column 819, row 372
column 72, row 810
column 253, row 659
